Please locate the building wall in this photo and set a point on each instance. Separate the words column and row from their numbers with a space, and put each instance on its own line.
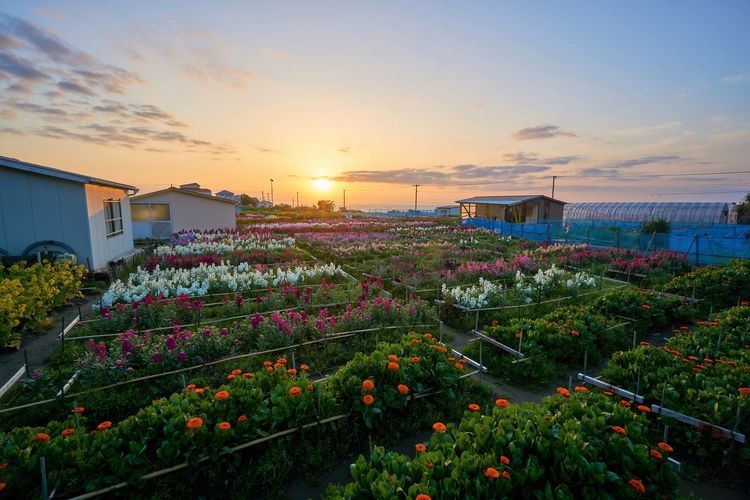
column 193, row 212
column 556, row 211
column 37, row 208
column 107, row 248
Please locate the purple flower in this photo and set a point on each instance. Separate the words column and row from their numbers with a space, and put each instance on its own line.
column 156, row 357
column 206, row 332
column 223, row 332
column 256, row 320
column 182, row 356
column 171, row 343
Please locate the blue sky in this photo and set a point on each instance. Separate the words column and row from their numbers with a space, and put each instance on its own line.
column 464, row 98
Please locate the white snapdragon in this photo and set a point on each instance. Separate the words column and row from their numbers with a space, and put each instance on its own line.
column 481, row 295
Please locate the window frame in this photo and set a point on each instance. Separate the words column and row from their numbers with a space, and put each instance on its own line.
column 113, row 225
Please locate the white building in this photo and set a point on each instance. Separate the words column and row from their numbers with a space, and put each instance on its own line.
column 161, row 213
column 43, row 209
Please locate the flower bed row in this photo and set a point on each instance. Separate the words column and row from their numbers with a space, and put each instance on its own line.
column 203, row 422
column 28, row 293
column 572, row 446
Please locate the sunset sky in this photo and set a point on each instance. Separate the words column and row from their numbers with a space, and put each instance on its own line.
column 622, row 101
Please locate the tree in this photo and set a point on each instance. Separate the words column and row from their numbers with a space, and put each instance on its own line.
column 326, row 205
column 743, row 211
column 249, row 201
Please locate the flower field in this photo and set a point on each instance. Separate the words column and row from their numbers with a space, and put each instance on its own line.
column 238, row 352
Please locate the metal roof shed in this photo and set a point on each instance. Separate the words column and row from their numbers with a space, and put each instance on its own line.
column 518, row 208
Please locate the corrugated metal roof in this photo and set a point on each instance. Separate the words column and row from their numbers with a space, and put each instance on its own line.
column 505, row 200
column 181, row 191
column 60, row 174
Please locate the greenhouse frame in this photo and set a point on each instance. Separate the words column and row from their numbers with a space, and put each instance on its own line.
column 672, row 212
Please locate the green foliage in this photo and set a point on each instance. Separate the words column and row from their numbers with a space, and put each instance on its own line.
column 655, row 226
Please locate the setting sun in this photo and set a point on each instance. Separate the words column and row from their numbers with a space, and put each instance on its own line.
column 322, row 184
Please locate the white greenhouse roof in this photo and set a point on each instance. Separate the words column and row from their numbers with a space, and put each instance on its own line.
column 705, row 212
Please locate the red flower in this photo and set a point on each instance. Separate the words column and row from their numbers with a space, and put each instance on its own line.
column 248, row 375
column 221, row 395
column 422, row 496
column 491, row 473
column 502, row 403
column 563, row 391
column 393, row 366
column 104, row 425
column 580, row 388
column 281, row 361
column 194, row 423
column 439, row 426
column 304, row 367
column 368, row 399
column 191, row 386
column 67, row 432
column 415, row 360
column 78, row 409
column 393, row 358
column 428, row 335
column 637, row 485
column 655, row 454
column 459, row 366
column 236, row 372
column 744, row 390
column 505, row 460
column 295, row 391
column 644, row 408
column 646, row 306
column 665, row 447
column 474, row 407
column 420, row 447
column 403, row 389
column 241, row 418
column 624, row 403
column 608, row 393
column 225, row 426
column 506, row 474
column 267, row 364
column 310, row 388
column 368, row 385
column 292, row 371
column 621, row 431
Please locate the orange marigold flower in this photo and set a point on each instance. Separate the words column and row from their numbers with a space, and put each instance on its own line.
column 368, row 385
column 624, row 403
column 104, row 425
column 502, row 403
column 665, row 447
column 292, row 371
column 474, row 407
column 367, row 399
column 608, row 393
column 643, row 342
column 439, row 426
column 644, row 408
column 310, row 388
column 236, row 372
column 693, row 358
column 491, row 473
column 295, row 391
column 744, row 390
column 423, row 496
column 575, row 333
column 304, row 367
column 415, row 360
column 191, row 386
column 428, row 465
column 194, row 423
column 428, row 335
column 637, row 485
column 281, row 361
column 231, row 376
column 78, row 409
column 451, row 359
column 393, row 366
column 655, row 454
column 580, row 388
column 269, row 368
column 241, row 418
column 403, row 389
column 3, row 486
column 459, row 366
column 646, row 306
column 67, row 432
column 225, row 426
column 563, row 391
column 420, row 447
column 267, row 363
column 393, row 357
column 199, row 391
column 440, row 348
column 506, row 474
column 248, row 375
column 221, row 395
column 415, row 341
column 505, row 460
column 620, row 430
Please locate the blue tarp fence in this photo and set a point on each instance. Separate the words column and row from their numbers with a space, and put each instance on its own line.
column 702, row 243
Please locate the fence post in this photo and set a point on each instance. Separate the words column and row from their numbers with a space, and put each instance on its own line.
column 697, row 251
column 43, row 468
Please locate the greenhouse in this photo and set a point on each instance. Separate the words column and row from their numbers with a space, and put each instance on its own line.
column 689, row 212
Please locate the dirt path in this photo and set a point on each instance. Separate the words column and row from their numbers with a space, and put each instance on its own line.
column 39, row 347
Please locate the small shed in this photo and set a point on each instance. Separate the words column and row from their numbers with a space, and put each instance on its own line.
column 47, row 210
column 528, row 209
column 447, row 210
column 160, row 213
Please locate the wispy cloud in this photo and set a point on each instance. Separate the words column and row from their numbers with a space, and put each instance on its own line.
column 738, row 78
column 649, row 129
column 522, row 158
column 614, row 169
column 262, row 149
column 541, row 132
column 345, row 149
column 46, row 80
column 466, row 174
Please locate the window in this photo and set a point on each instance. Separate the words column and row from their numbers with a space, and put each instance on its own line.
column 113, row 217
column 145, row 212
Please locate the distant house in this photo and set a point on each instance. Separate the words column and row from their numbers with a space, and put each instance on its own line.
column 530, row 209
column 196, row 188
column 160, row 213
column 447, row 210
column 46, row 210
column 265, row 204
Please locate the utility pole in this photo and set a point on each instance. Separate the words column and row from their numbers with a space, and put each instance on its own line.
column 416, row 188
column 344, row 206
column 553, row 186
column 297, row 199
column 271, row 191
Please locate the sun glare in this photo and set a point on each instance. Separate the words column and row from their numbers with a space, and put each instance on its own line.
column 322, row 184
